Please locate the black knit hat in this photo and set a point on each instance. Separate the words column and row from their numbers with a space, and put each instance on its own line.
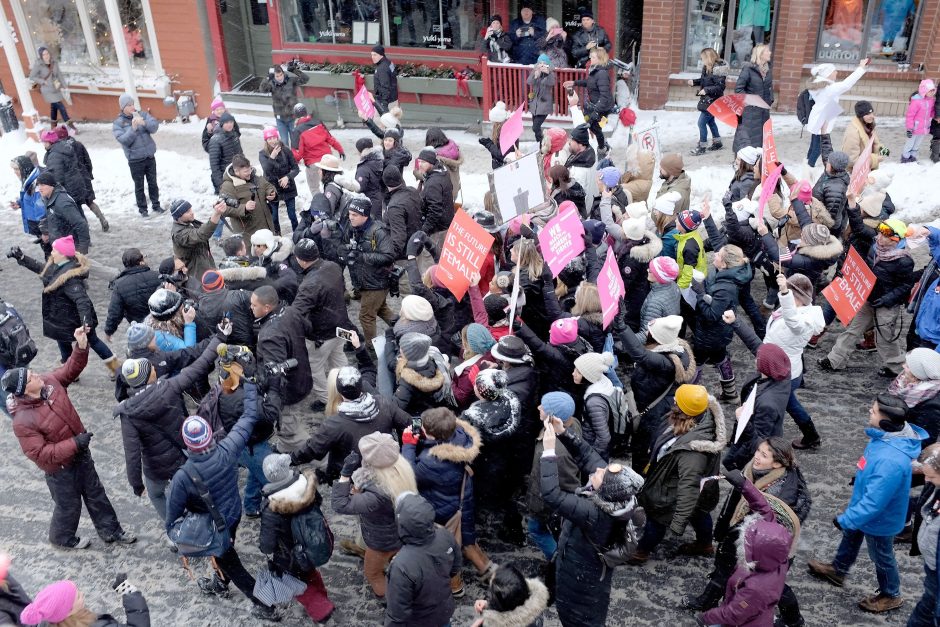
column 364, row 142
column 392, row 177
column 379, row 49
column 428, row 154
column 14, row 381
column 349, row 383
column 46, row 178
column 863, row 108
column 581, row 134
column 306, row 250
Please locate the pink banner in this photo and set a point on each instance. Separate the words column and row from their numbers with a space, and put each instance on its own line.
column 861, row 169
column 511, row 131
column 610, row 288
column 767, row 190
column 364, row 103
column 562, row 239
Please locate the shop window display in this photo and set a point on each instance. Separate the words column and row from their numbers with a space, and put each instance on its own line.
column 56, row 25
column 443, row 24
column 852, row 29
column 708, row 27
column 567, row 12
column 355, row 22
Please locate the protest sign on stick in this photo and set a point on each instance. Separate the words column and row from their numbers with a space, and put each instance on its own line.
column 610, row 288
column 364, row 104
column 562, row 239
column 511, row 131
column 861, row 169
column 465, row 248
column 769, row 158
column 848, row 293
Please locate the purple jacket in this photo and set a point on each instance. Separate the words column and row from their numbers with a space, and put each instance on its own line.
column 756, row 585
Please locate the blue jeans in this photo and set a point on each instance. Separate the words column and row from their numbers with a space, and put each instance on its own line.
column 794, row 407
column 653, row 532
column 252, row 458
column 56, row 108
column 815, row 150
column 881, row 552
column 156, row 492
column 284, row 128
column 218, row 232
column 706, row 121
column 291, row 213
column 94, row 343
column 541, row 537
column 925, row 612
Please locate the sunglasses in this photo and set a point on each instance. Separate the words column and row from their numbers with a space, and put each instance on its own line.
column 887, row 231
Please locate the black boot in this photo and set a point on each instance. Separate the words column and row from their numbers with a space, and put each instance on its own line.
column 716, row 144
column 700, row 149
column 810, row 437
column 709, row 598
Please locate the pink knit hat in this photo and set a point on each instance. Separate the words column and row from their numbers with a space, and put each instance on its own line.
column 49, row 135
column 64, row 246
column 216, row 103
column 53, row 604
column 563, row 331
column 269, row 132
column 805, row 194
column 664, row 269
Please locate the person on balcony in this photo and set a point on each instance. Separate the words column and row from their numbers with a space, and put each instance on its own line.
column 496, row 42
column 590, row 36
column 525, row 32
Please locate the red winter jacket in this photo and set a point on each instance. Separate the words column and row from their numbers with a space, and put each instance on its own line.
column 314, row 143
column 45, row 427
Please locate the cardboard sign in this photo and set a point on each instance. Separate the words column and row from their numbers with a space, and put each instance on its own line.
column 728, row 109
column 465, row 248
column 511, row 131
column 848, row 293
column 861, row 169
column 364, row 104
column 770, row 151
column 767, row 190
column 610, row 288
column 519, row 186
column 562, row 239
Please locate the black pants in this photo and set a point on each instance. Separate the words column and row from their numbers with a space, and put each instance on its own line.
column 69, row 487
column 537, row 121
column 145, row 168
column 595, row 124
column 233, row 570
column 58, row 107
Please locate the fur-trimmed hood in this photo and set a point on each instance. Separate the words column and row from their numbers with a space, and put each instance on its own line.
column 720, row 439
column 823, row 252
column 417, row 380
column 296, row 497
column 243, row 273
column 525, row 614
column 448, row 452
column 283, row 247
column 683, row 374
column 720, row 68
column 347, row 182
column 644, row 253
column 79, row 271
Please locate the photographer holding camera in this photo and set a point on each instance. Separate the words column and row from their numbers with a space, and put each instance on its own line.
column 252, row 192
column 191, row 240
column 369, row 253
column 281, row 333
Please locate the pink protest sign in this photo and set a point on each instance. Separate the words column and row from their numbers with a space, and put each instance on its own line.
column 610, row 288
column 861, row 169
column 562, row 239
column 511, row 131
column 767, row 190
column 364, row 103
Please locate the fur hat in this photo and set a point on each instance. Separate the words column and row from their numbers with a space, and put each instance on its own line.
column 692, row 399
column 415, row 347
column 664, row 269
column 665, row 330
column 197, row 433
column 773, row 362
column 349, row 383
column 163, row 304
column 263, row 237
column 620, row 484
column 594, row 366
column 671, row 164
column 563, row 331
column 924, row 364
column 499, row 113
column 558, row 404
column 479, row 338
column 667, row 203
column 750, row 154
column 136, row 372
column 378, row 450
column 814, row 234
column 276, row 467
column 802, row 288
column 416, row 308
column 634, row 228
column 139, row 336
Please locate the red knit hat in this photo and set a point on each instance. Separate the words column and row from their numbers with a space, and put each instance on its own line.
column 773, row 362
column 212, row 281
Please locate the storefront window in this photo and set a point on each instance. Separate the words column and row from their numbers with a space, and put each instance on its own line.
column 567, row 12
column 55, row 24
column 443, row 24
column 332, row 21
column 882, row 30
column 708, row 27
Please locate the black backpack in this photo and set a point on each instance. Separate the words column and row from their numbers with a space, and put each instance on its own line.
column 804, row 104
column 17, row 348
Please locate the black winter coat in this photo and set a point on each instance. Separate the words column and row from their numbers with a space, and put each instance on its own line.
column 403, row 217
column 711, row 333
column 497, row 47
column 65, row 302
column 207, row 134
column 582, row 38
column 84, row 160
column 151, row 423
column 222, row 411
column 284, row 94
column 373, row 506
column 191, row 245
column 750, row 131
column 129, row 293
column 215, row 305
column 274, row 169
column 499, row 422
column 575, row 193
column 712, row 83
column 555, row 362
column 64, row 217
column 811, row 261
column 223, row 146
column 770, row 407
column 419, row 388
column 634, row 260
column 135, row 608
column 320, row 300
column 386, row 83
column 166, row 364
column 369, row 268
column 893, row 279
column 497, row 158
column 369, row 177
column 281, row 505
column 600, row 100
column 830, row 189
column 437, row 201
column 926, row 415
column 281, row 337
column 447, row 309
column 13, row 600
column 62, row 161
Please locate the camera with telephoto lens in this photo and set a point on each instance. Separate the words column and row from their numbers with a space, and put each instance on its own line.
column 176, row 279
column 276, row 369
column 228, row 200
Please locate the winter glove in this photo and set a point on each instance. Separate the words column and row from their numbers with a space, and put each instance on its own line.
column 120, row 584
column 884, row 152
column 15, row 253
column 735, row 478
column 526, row 231
column 409, row 437
column 249, row 366
column 699, row 621
column 275, row 570
column 139, row 491
column 726, row 199
column 878, row 303
column 351, row 463
column 415, row 243
column 910, row 134
column 82, row 440
column 835, row 523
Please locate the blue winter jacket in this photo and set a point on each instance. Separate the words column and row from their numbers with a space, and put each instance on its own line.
column 167, row 342
column 218, row 469
column 137, row 143
column 32, row 207
column 928, row 316
column 880, row 497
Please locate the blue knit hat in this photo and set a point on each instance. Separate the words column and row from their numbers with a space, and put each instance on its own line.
column 479, row 338
column 543, row 58
column 559, row 405
column 610, row 176
column 138, row 336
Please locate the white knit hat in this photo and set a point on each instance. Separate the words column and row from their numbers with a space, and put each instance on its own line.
column 499, row 113
column 665, row 330
column 750, row 154
column 924, row 364
column 416, row 308
column 822, row 72
column 592, row 366
column 634, row 228
column 637, row 210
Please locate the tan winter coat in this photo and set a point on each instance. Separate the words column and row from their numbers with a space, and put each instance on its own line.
column 638, row 178
column 854, row 142
column 240, row 218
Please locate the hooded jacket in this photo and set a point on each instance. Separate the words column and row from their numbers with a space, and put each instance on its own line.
column 791, row 327
column 32, row 206
column 419, row 387
column 418, row 592
column 284, row 94
column 634, row 258
column 283, row 165
column 920, row 110
column 47, row 75
column 191, row 246
column 255, row 188
column 281, row 505
column 879, row 500
column 316, row 142
column 439, row 467
column 374, row 507
column 403, row 217
column 223, row 146
column 529, row 614
column 770, row 408
column 830, row 189
column 711, row 333
column 62, row 161
column 46, row 426
column 671, row 493
column 657, row 368
column 63, row 218
column 811, row 261
column 754, row 588
column 369, row 177
column 137, row 143
column 129, row 293
column 542, row 89
column 65, row 302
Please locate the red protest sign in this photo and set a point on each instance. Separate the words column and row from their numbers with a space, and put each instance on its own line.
column 861, row 169
column 848, row 293
column 728, row 109
column 770, row 151
column 610, row 288
column 465, row 247
column 363, row 100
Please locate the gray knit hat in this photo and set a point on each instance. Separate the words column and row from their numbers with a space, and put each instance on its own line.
column 415, row 347
column 379, row 450
column 838, row 160
column 139, row 336
column 593, row 366
column 276, row 467
column 136, row 372
column 620, row 484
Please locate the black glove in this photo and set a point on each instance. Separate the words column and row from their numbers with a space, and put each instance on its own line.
column 351, row 463
column 15, row 253
column 835, row 523
column 735, row 478
column 877, row 303
column 139, row 491
column 526, row 231
column 415, row 243
column 275, row 570
column 249, row 366
column 82, row 440
column 910, row 134
column 726, row 199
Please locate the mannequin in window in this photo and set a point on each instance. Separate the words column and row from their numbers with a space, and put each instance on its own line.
column 756, row 14
column 893, row 15
column 844, row 20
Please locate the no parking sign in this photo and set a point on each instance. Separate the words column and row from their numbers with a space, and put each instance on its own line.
column 649, row 139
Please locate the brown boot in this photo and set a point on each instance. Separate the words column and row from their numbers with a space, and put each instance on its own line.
column 456, row 586
column 113, row 366
column 878, row 603
column 349, row 547
column 694, row 549
column 475, row 555
column 867, row 345
column 826, row 572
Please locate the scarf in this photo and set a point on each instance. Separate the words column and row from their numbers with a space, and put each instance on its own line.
column 914, row 391
column 761, row 482
column 889, row 251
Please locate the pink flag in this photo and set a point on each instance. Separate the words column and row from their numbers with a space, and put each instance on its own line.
column 767, row 190
column 511, row 131
column 610, row 288
column 562, row 239
column 364, row 103
column 861, row 169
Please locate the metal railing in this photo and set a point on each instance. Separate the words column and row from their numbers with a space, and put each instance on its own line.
column 507, row 82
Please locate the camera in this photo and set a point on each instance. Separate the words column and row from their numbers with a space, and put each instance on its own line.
column 228, row 200
column 14, row 252
column 189, row 303
column 394, row 276
column 275, row 369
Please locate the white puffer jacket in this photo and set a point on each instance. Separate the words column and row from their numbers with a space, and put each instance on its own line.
column 791, row 327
